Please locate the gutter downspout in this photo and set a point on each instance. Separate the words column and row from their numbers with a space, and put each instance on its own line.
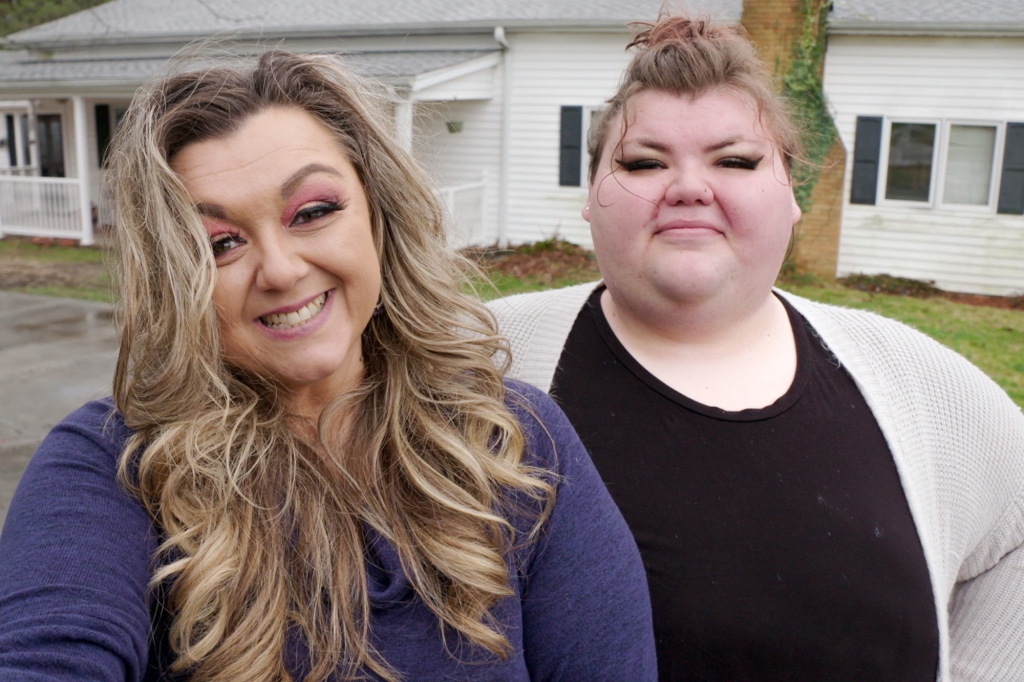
column 506, row 135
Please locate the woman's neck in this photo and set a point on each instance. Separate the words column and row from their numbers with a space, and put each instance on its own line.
column 732, row 357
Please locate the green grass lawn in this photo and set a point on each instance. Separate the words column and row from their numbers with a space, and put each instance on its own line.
column 991, row 338
column 19, row 248
column 52, row 270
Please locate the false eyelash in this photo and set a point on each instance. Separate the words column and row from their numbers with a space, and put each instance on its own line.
column 217, row 241
column 740, row 162
column 640, row 164
column 316, row 211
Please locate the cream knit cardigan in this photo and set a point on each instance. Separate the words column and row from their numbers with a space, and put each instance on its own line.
column 957, row 440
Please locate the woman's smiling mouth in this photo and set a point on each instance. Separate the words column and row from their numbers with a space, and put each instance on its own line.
column 283, row 321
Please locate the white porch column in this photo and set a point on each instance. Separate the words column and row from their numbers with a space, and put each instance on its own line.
column 403, row 121
column 20, row 143
column 82, row 164
column 505, row 163
column 33, row 139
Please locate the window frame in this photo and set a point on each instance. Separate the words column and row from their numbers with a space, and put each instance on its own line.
column 883, row 161
column 588, row 112
column 997, row 165
column 940, row 161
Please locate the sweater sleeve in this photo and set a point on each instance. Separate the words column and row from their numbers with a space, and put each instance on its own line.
column 75, row 560
column 586, row 609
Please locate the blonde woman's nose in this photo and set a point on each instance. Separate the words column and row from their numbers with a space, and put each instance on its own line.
column 280, row 265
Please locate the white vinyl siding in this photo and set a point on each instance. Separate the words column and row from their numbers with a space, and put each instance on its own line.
column 472, row 154
column 949, row 81
column 551, row 70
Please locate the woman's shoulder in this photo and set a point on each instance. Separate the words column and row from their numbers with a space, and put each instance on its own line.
column 536, row 326
column 93, row 431
column 545, row 427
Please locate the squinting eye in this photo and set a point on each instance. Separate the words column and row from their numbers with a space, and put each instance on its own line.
column 223, row 243
column 640, row 164
column 312, row 212
column 740, row 162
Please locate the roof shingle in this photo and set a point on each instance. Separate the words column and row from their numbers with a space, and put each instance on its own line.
column 918, row 15
column 144, row 19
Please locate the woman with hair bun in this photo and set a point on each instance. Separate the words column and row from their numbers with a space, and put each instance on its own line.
column 817, row 493
column 311, row 467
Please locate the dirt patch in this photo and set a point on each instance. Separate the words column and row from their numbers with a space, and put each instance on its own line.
column 17, row 273
column 544, row 262
column 901, row 286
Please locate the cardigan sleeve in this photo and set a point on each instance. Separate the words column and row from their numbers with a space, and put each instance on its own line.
column 537, row 326
column 585, row 606
column 74, row 556
column 987, row 624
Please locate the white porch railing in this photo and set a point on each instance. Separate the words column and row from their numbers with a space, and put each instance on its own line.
column 41, row 207
column 20, row 171
column 465, row 205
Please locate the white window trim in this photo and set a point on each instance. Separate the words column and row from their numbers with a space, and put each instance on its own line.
column 883, row 161
column 940, row 156
column 588, row 116
column 997, row 164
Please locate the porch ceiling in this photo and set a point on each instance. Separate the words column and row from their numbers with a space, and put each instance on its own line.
column 32, row 76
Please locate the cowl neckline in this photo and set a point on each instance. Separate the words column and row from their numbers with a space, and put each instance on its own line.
column 387, row 583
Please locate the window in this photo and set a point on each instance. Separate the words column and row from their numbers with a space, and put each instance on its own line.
column 572, row 157
column 911, row 153
column 107, row 120
column 570, row 152
column 50, row 137
column 969, row 167
column 948, row 163
column 12, row 149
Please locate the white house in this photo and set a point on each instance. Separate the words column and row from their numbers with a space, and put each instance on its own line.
column 493, row 97
column 928, row 99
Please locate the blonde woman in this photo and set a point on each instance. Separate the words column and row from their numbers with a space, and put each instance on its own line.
column 817, row 493
column 310, row 468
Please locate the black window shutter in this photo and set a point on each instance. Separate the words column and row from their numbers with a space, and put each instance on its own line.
column 12, row 153
column 867, row 149
column 102, row 130
column 1011, row 187
column 570, row 153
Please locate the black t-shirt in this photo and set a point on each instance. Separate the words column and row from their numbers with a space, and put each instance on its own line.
column 778, row 541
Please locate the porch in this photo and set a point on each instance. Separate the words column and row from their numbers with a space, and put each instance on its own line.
column 53, row 142
column 37, row 199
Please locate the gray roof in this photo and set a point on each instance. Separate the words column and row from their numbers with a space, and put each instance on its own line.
column 131, row 20
column 134, row 71
column 907, row 17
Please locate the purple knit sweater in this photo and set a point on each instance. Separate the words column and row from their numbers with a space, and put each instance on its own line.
column 75, row 559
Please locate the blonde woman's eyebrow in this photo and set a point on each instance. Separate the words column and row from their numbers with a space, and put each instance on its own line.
column 289, row 186
column 211, row 210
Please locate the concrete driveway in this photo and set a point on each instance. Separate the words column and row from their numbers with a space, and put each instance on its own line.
column 55, row 354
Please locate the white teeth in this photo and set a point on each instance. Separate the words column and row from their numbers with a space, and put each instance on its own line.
column 293, row 319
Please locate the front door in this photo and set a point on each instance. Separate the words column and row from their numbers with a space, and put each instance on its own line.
column 51, row 146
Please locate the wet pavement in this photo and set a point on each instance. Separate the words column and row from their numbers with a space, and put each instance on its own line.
column 55, row 354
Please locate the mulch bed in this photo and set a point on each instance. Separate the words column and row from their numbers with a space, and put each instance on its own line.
column 16, row 273
column 549, row 261
column 900, row 286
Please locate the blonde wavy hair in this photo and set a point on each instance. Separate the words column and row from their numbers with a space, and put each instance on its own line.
column 262, row 527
